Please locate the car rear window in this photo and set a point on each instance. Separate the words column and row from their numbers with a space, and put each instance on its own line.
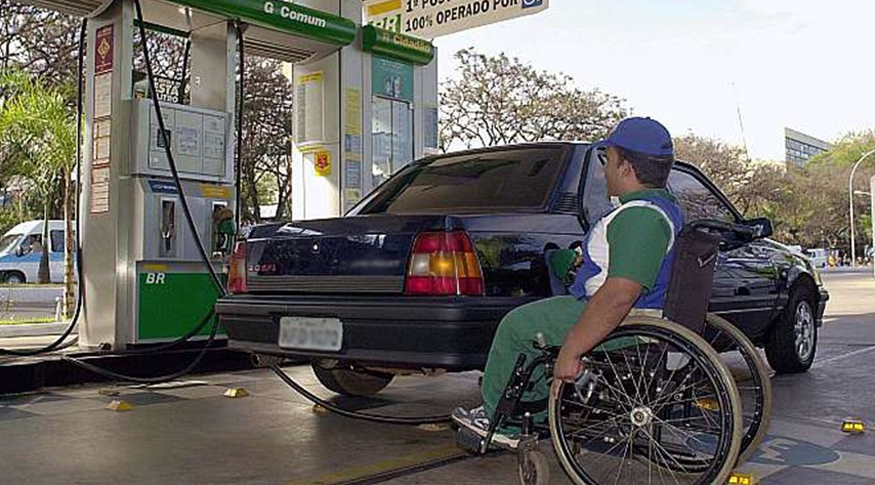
column 520, row 178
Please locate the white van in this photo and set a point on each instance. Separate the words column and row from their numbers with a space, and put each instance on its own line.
column 818, row 257
column 21, row 248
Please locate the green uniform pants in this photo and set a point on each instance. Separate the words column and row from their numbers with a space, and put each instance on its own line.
column 552, row 317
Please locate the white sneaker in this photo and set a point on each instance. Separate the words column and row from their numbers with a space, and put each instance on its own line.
column 477, row 421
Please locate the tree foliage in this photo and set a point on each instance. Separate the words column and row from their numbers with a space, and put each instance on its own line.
column 499, row 100
column 38, row 131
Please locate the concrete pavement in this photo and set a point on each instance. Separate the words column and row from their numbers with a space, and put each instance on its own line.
column 187, row 432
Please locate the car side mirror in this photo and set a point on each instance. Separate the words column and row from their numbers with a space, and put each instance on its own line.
column 761, row 226
column 19, row 251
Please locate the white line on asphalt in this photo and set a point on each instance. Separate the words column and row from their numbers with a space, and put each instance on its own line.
column 843, row 356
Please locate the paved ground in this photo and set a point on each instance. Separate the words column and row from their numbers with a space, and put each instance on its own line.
column 188, row 433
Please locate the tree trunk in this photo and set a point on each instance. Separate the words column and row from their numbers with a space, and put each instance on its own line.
column 69, row 247
column 43, row 274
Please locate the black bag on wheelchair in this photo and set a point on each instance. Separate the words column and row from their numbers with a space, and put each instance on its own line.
column 692, row 277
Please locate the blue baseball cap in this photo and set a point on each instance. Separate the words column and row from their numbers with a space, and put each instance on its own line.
column 642, row 135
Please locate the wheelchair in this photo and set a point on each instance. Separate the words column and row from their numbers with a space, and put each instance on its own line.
column 655, row 403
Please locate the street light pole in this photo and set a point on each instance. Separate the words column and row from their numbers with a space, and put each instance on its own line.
column 851, row 207
column 872, row 218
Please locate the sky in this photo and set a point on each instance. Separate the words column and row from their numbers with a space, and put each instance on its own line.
column 692, row 64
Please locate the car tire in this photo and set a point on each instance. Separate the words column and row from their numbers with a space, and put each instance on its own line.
column 792, row 343
column 14, row 278
column 347, row 381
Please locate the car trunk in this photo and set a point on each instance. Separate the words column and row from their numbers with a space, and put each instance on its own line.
column 362, row 254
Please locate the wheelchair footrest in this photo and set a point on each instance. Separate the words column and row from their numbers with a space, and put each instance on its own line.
column 468, row 440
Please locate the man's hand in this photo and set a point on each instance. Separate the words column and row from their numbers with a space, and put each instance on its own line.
column 604, row 311
column 567, row 367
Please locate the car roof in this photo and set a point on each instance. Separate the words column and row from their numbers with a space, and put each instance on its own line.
column 28, row 227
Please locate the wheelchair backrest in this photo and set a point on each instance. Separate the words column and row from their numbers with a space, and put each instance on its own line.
column 692, row 277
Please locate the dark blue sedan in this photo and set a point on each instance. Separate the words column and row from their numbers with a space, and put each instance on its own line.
column 416, row 277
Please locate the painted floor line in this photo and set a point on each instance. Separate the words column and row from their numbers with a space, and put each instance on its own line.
column 360, row 473
column 843, row 356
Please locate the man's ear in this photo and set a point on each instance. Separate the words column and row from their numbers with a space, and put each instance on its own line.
column 627, row 169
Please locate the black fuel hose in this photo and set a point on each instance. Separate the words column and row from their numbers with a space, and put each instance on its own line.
column 376, row 418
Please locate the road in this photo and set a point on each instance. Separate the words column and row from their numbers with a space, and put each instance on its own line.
column 26, row 302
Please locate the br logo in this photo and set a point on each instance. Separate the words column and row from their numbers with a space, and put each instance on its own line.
column 532, row 3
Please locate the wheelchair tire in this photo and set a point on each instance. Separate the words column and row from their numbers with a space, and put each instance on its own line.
column 641, row 408
column 756, row 396
column 534, row 469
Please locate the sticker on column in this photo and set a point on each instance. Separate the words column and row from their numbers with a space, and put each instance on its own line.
column 99, row 189
column 323, row 163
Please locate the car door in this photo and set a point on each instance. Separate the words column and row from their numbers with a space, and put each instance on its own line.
column 746, row 282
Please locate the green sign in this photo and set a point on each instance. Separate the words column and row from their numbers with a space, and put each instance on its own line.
column 283, row 16
column 400, row 46
column 391, row 78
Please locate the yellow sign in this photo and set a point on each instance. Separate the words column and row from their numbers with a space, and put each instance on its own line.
column 322, row 162
column 386, row 6
column 215, row 191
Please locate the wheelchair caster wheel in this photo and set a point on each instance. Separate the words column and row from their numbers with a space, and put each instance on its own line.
column 534, row 468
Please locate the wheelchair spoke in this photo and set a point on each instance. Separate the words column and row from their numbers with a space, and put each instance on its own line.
column 671, row 428
column 655, row 374
column 660, row 451
column 627, row 450
column 631, row 374
column 629, row 400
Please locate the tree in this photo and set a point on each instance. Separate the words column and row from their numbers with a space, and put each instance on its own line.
column 36, row 125
column 500, row 100
column 267, row 136
column 724, row 164
column 834, row 168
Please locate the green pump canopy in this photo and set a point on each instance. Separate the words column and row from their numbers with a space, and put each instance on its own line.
column 276, row 28
column 282, row 16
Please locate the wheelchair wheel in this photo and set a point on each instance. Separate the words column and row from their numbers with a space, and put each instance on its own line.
column 754, row 388
column 657, row 406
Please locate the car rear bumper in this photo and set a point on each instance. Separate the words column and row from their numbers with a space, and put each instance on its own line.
column 452, row 333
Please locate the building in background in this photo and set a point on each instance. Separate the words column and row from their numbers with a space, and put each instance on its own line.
column 801, row 147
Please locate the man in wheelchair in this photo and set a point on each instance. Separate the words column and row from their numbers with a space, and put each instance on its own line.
column 626, row 263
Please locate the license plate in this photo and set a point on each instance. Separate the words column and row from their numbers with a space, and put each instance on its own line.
column 311, row 333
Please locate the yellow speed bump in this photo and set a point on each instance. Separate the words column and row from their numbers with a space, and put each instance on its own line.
column 236, row 392
column 118, row 405
column 433, row 427
column 853, row 426
column 742, row 479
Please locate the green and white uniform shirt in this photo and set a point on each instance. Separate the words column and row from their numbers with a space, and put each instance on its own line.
column 633, row 241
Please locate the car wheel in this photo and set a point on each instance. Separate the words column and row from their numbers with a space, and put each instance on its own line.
column 793, row 341
column 351, row 382
column 14, row 278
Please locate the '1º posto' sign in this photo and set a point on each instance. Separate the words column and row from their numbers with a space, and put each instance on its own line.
column 432, row 18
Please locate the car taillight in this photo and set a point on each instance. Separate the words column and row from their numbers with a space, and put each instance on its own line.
column 444, row 263
column 237, row 270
